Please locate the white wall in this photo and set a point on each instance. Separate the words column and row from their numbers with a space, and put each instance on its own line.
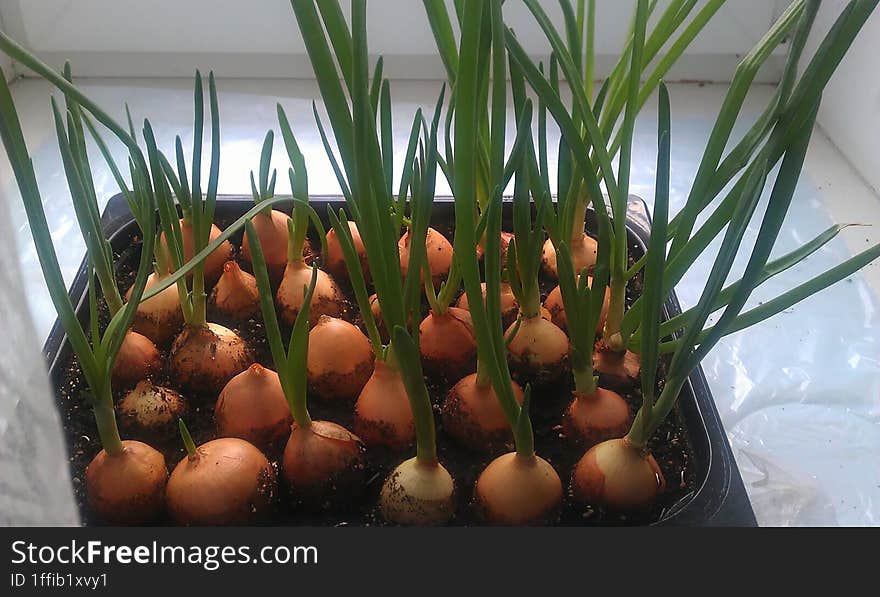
column 850, row 111
column 6, row 65
column 5, row 62
column 260, row 38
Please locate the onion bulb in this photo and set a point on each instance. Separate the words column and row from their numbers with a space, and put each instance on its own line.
column 159, row 317
column 509, row 306
column 622, row 367
column 376, row 310
column 439, row 252
column 327, row 299
column 137, row 359
column 235, row 294
column 252, row 407
column 334, row 260
column 340, row 359
column 226, row 481
column 127, row 488
column 447, row 343
column 271, row 229
column 616, row 475
column 213, row 262
column 382, row 414
column 596, row 417
column 539, row 351
column 204, row 358
column 518, row 490
column 504, row 244
column 553, row 303
column 150, row 410
column 323, row 461
column 472, row 415
column 583, row 255
column 418, row 493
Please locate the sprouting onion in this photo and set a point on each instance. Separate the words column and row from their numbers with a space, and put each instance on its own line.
column 446, row 336
column 138, row 357
column 225, row 481
column 621, row 474
column 125, row 482
column 596, row 413
column 271, row 224
column 517, row 487
column 617, row 473
column 419, row 491
column 327, row 298
column 204, row 356
column 584, row 124
column 539, row 349
column 320, row 457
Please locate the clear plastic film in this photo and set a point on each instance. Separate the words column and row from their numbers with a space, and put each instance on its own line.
column 798, row 394
column 35, row 484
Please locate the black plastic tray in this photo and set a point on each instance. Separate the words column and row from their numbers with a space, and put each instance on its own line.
column 719, row 497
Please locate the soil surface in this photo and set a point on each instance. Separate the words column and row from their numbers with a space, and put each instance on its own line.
column 671, row 445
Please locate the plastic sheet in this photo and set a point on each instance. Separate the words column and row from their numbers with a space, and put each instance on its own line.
column 799, row 395
column 34, row 485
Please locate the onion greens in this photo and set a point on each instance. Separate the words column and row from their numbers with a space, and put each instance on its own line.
column 290, row 363
column 365, row 167
column 96, row 352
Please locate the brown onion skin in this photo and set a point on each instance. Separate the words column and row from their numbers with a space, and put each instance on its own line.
column 334, row 260
column 137, row 359
column 376, row 311
column 473, row 416
column 448, row 344
column 204, row 358
column 615, row 475
column 214, row 262
column 505, row 239
column 327, row 299
column 252, row 407
column 272, row 231
column 160, row 317
column 151, row 411
column 553, row 303
column 323, row 461
column 518, row 490
column 340, row 359
column 539, row 351
column 583, row 255
column 439, row 253
column 596, row 417
column 618, row 368
column 235, row 294
column 127, row 488
column 228, row 482
column 509, row 306
column 382, row 414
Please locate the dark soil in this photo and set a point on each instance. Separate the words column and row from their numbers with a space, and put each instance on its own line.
column 671, row 446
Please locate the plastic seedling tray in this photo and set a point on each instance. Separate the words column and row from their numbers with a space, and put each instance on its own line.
column 711, row 491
